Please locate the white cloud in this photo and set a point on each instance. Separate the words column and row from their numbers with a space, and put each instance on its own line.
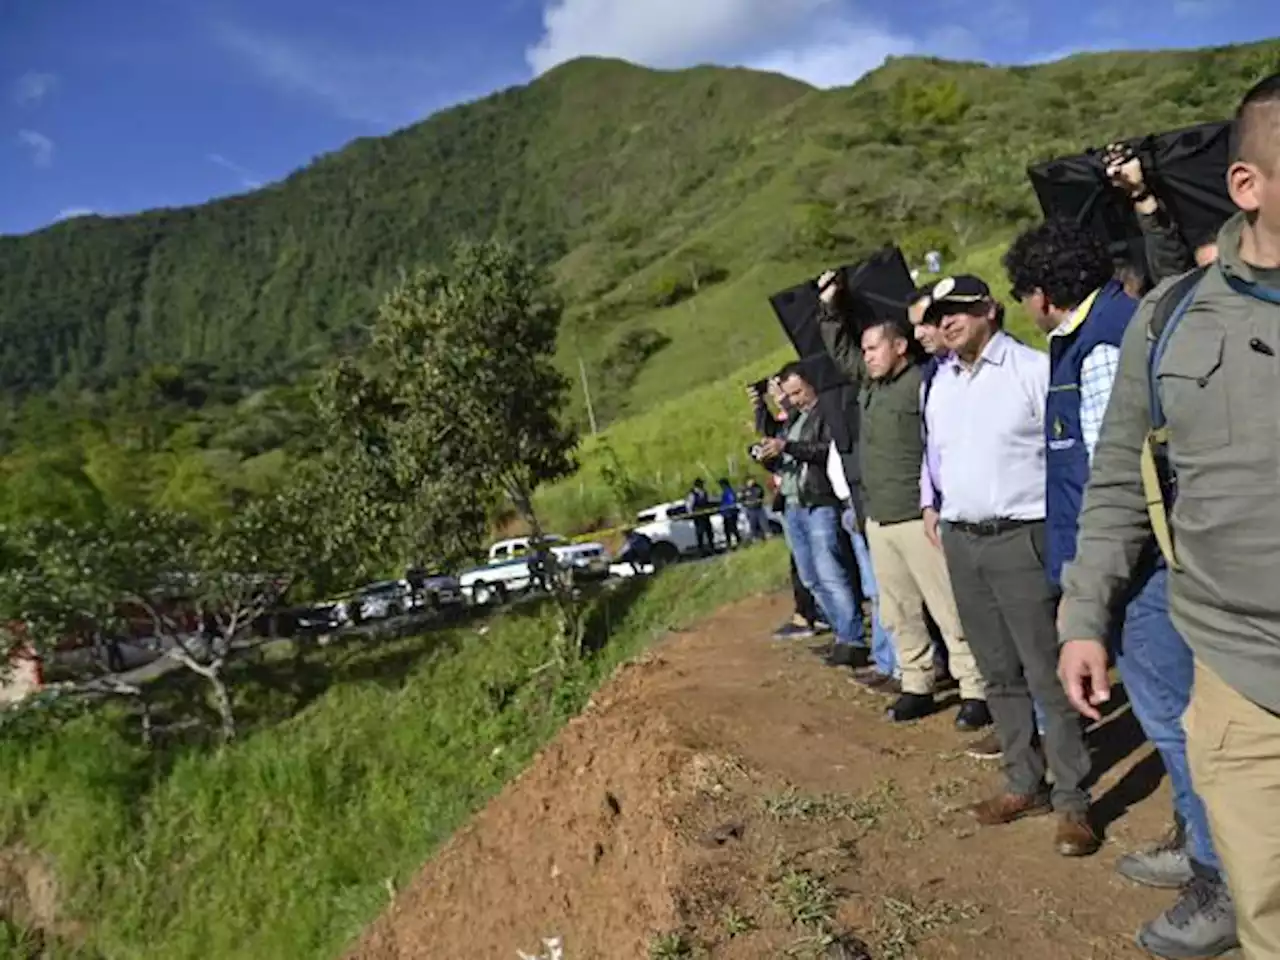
column 662, row 33
column 838, row 58
column 823, row 42
column 70, row 213
column 32, row 87
column 248, row 179
column 41, row 147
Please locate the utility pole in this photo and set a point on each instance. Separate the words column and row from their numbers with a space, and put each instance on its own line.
column 586, row 390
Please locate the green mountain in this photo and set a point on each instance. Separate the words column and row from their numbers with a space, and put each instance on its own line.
column 668, row 205
column 640, row 187
column 256, row 282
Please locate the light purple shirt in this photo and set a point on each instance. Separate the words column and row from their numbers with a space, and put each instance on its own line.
column 930, row 465
column 987, row 426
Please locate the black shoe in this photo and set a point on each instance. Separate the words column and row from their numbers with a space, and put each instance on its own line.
column 911, row 706
column 793, row 631
column 973, row 716
column 846, row 655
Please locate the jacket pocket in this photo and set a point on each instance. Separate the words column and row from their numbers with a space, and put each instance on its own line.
column 1193, row 391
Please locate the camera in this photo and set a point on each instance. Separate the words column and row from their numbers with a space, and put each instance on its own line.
column 755, row 452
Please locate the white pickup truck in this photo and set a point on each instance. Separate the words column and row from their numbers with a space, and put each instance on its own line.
column 669, row 528
column 507, row 570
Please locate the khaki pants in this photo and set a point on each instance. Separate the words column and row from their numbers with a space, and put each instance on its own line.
column 910, row 573
column 1233, row 746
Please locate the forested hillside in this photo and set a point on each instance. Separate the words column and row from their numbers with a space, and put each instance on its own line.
column 254, row 282
column 600, row 167
column 666, row 204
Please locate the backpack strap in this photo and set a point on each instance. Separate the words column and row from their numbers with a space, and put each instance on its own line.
column 1159, row 482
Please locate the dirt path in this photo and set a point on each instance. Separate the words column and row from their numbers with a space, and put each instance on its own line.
column 727, row 786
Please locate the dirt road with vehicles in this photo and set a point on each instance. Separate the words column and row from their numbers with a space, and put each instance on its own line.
column 728, row 796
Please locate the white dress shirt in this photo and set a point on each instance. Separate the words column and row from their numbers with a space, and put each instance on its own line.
column 836, row 474
column 988, row 422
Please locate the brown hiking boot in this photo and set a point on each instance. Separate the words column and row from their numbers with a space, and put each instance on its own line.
column 988, row 748
column 1009, row 807
column 1075, row 837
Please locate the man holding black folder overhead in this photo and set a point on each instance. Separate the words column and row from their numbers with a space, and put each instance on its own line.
column 874, row 355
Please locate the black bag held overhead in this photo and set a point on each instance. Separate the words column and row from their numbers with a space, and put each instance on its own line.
column 1077, row 188
column 1186, row 169
column 879, row 286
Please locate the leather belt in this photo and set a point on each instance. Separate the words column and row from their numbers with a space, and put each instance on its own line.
column 990, row 528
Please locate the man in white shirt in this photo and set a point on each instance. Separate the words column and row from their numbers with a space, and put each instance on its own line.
column 986, row 415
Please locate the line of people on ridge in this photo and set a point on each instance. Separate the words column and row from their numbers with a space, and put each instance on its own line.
column 1051, row 514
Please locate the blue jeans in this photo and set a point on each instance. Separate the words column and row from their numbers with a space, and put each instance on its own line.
column 883, row 655
column 813, row 534
column 1158, row 669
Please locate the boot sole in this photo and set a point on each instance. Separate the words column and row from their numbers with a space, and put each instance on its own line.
column 1024, row 815
column 1167, row 953
column 1154, row 884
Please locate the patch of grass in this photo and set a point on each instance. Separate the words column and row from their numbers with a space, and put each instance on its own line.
column 946, row 791
column 282, row 844
column 806, row 899
column 866, row 810
column 904, row 924
column 704, row 433
column 671, row 946
column 736, row 923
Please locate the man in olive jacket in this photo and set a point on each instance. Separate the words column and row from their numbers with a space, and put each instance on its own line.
column 908, row 568
column 1216, row 373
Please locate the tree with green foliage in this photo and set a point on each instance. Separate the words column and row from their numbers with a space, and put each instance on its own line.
column 451, row 411
column 201, row 589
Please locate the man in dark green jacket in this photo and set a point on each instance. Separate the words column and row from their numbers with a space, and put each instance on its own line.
column 910, row 572
column 1216, row 372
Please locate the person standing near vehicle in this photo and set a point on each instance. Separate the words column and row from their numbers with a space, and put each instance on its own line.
column 637, row 550
column 812, row 516
column 729, row 515
column 1193, row 410
column 752, row 499
column 698, row 504
column 806, row 619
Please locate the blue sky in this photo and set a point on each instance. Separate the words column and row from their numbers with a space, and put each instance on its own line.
column 121, row 106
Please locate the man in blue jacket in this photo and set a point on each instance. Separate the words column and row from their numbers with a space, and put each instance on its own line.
column 1064, row 277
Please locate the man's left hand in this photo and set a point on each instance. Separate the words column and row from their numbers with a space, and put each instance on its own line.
column 772, row 447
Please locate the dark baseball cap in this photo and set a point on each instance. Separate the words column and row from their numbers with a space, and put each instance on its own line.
column 956, row 295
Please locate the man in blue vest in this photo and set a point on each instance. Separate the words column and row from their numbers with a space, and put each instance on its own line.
column 1064, row 277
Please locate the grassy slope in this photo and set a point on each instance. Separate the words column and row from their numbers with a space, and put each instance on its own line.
column 281, row 845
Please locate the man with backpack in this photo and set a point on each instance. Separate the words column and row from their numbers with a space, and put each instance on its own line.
column 1063, row 275
column 1190, row 454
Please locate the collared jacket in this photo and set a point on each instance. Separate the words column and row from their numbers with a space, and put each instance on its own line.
column 1101, row 320
column 811, row 448
column 1219, row 383
column 890, row 441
